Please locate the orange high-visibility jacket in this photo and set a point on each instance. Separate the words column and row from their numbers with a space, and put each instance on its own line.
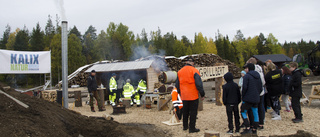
column 176, row 100
column 187, row 84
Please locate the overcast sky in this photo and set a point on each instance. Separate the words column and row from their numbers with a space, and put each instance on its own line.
column 288, row 20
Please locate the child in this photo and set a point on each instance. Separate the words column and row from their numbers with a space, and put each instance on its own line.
column 296, row 91
column 241, row 79
column 177, row 102
column 286, row 78
column 231, row 99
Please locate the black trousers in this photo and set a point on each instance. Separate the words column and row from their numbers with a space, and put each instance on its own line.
column 190, row 109
column 233, row 110
column 261, row 110
column 179, row 112
column 295, row 103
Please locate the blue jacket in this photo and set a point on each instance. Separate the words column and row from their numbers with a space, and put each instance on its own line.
column 252, row 87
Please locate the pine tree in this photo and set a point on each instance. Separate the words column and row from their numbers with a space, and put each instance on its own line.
column 5, row 37
column 37, row 39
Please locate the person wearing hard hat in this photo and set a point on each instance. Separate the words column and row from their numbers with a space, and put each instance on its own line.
column 128, row 91
column 113, row 89
column 189, row 85
column 142, row 88
column 92, row 89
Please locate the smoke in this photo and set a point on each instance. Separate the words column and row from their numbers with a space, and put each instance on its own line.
column 142, row 53
column 60, row 6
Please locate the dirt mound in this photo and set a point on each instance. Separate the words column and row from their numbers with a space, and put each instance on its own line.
column 44, row 118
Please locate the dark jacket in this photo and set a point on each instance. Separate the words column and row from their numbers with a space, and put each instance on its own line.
column 274, row 82
column 295, row 84
column 92, row 84
column 286, row 81
column 252, row 87
column 231, row 91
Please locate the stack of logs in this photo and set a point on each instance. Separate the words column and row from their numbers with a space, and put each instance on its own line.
column 203, row 60
column 80, row 79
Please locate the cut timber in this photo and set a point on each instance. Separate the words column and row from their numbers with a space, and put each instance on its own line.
column 211, row 133
column 218, row 91
column 77, row 99
column 14, row 99
column 101, row 95
column 163, row 103
column 315, row 93
column 173, row 121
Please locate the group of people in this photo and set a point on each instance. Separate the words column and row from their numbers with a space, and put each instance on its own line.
column 124, row 90
column 261, row 88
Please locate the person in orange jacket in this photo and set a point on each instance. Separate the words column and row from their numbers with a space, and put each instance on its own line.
column 189, row 85
column 177, row 102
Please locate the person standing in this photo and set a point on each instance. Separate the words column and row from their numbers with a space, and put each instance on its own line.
column 177, row 103
column 252, row 87
column 189, row 85
column 275, row 89
column 296, row 92
column 92, row 89
column 241, row 79
column 113, row 89
column 231, row 99
column 261, row 109
column 286, row 78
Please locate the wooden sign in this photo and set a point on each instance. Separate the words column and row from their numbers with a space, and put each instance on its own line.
column 212, row 72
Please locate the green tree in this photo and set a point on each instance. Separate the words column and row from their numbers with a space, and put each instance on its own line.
column 56, row 58
column 211, row 47
column 75, row 57
column 49, row 33
column 102, row 46
column 219, row 45
column 12, row 39
column 5, row 37
column 179, row 48
column 200, row 43
column 22, row 40
column 273, row 45
column 37, row 39
column 158, row 41
column 75, row 31
column 169, row 43
column 121, row 40
column 189, row 51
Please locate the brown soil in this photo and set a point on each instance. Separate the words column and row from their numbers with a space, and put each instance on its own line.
column 44, row 118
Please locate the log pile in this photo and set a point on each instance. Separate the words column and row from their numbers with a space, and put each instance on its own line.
column 80, row 79
column 202, row 60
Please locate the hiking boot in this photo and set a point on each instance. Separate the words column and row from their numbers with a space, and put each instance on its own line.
column 278, row 117
column 242, row 125
column 237, row 131
column 194, row 130
column 92, row 109
column 230, row 132
column 297, row 120
column 260, row 127
column 102, row 109
column 185, row 128
column 246, row 131
column 254, row 131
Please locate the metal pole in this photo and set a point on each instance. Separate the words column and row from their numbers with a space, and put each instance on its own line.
column 64, row 43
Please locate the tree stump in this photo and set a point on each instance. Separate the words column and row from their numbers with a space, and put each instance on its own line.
column 211, row 133
column 101, row 95
column 77, row 99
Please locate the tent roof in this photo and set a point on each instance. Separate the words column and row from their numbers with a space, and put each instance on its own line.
column 121, row 66
column 273, row 58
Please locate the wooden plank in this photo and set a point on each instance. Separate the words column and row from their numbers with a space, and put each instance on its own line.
column 14, row 99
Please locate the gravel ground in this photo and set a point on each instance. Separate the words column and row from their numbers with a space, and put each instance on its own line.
column 214, row 117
